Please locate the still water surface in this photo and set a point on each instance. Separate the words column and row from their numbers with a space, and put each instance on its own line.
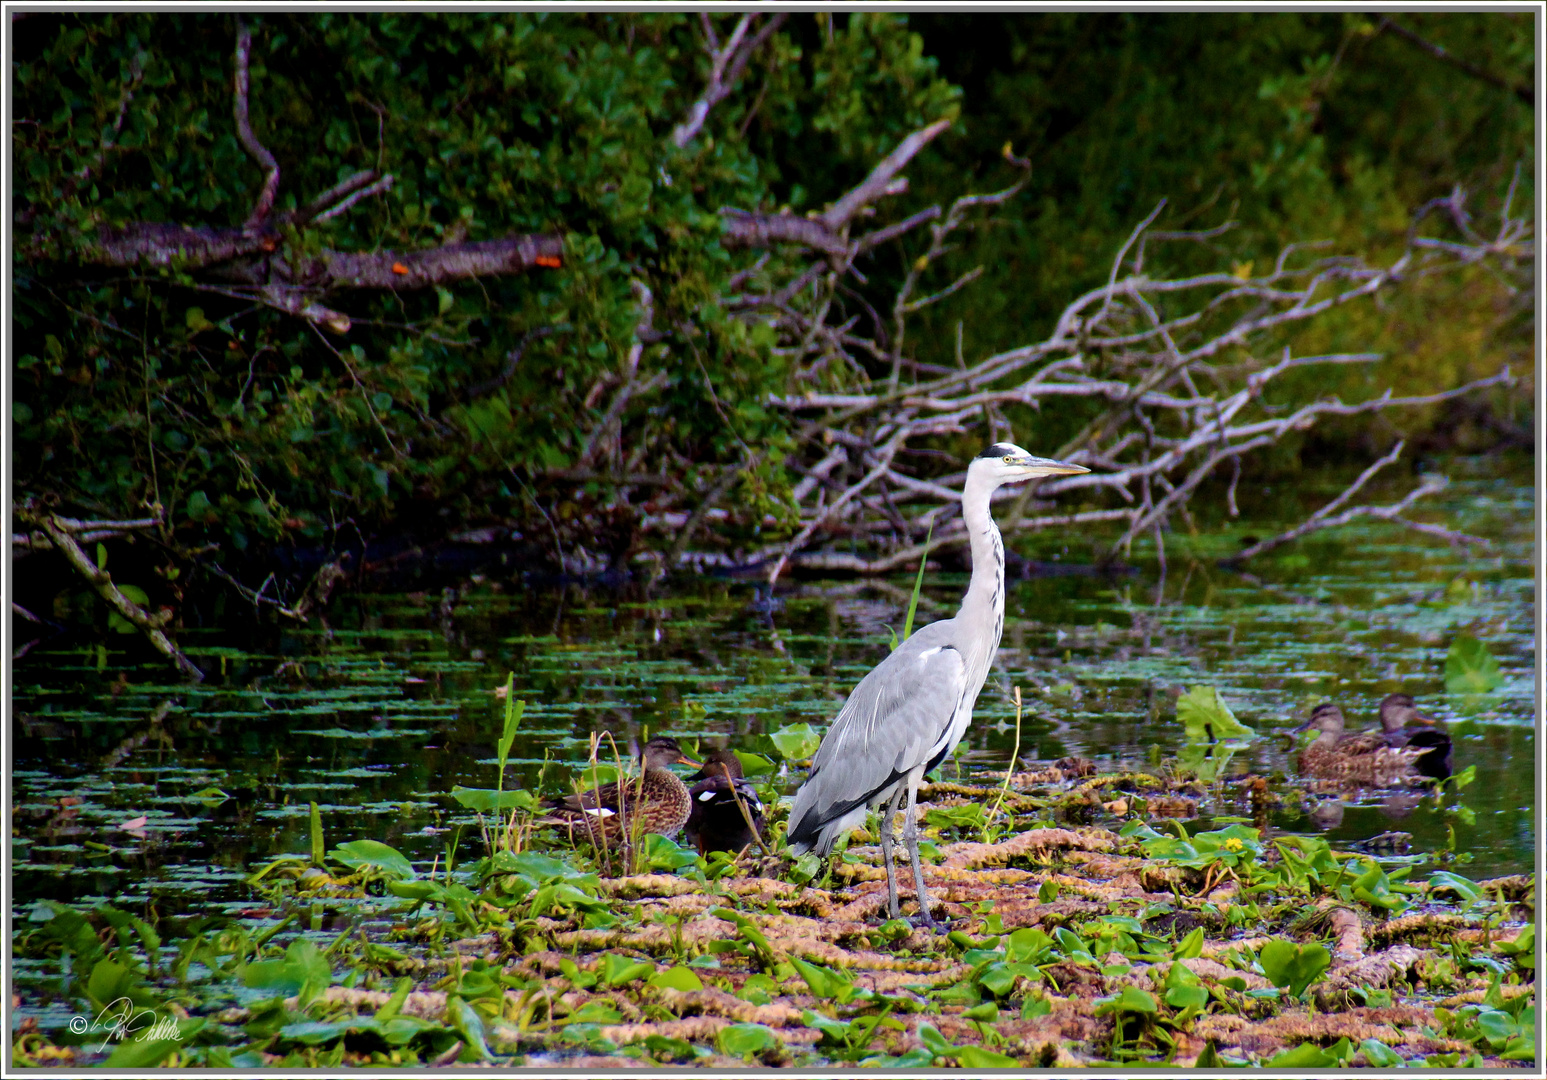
column 379, row 713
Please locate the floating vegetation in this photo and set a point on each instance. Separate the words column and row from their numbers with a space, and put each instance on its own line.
column 1068, row 947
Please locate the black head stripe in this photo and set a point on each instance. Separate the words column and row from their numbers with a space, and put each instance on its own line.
column 999, row 449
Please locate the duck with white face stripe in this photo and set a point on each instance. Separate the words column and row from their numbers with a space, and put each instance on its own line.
column 909, row 713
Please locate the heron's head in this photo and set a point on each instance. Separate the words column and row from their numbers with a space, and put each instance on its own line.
column 1398, row 710
column 1006, row 463
column 1326, row 718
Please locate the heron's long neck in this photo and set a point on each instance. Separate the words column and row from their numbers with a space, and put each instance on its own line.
column 983, row 606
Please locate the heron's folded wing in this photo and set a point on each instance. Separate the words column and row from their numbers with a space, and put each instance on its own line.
column 896, row 719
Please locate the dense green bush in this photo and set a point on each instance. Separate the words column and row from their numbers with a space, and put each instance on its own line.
column 169, row 385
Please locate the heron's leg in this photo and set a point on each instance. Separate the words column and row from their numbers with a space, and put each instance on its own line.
column 892, row 905
column 910, row 836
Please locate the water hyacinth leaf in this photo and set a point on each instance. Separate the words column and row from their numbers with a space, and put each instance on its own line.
column 357, row 854
column 1206, row 718
column 1380, row 1055
column 975, row 1057
column 797, row 742
column 663, row 1046
column 302, row 972
column 753, row 764
column 824, row 982
column 746, row 1040
column 617, row 970
column 1189, row 947
column 1470, row 668
column 676, row 978
column 1292, row 966
column 1047, row 892
column 665, row 854
column 1187, row 997
column 492, row 800
column 1469, row 891
column 930, row 1036
column 133, row 1053
column 466, row 1022
column 1130, row 999
column 1304, row 1056
column 987, row 1012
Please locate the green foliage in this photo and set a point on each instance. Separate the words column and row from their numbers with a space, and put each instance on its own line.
column 1293, row 967
column 1470, row 668
column 248, row 425
column 1205, row 717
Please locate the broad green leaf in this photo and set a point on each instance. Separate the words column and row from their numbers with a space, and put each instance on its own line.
column 357, row 854
column 1470, row 668
column 797, row 742
column 617, row 970
column 1206, row 718
column 1304, row 1056
column 676, row 978
column 1380, row 1055
column 1292, row 966
column 746, row 1040
column 975, row 1057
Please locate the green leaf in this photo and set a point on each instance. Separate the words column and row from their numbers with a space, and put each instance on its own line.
column 135, row 1053
column 466, row 1022
column 1304, row 1056
column 918, row 585
column 1380, row 1055
column 1189, row 947
column 357, row 854
column 1470, row 668
column 746, row 1040
column 676, row 978
column 797, row 742
column 1047, row 892
column 446, row 299
column 1468, row 890
column 1293, row 966
column 1206, row 718
column 936, row 1043
column 617, row 970
column 975, row 1057
column 754, row 764
column 490, row 800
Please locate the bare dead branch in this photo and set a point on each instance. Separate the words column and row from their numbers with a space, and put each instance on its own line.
column 102, row 582
column 726, row 65
column 875, row 185
column 1522, row 91
column 750, row 229
column 244, row 133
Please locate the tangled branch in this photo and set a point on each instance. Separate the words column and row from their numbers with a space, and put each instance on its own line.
column 1168, row 372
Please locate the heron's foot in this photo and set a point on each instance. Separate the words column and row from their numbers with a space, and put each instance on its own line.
column 927, row 921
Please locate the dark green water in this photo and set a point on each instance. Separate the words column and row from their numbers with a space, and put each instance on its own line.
column 379, row 713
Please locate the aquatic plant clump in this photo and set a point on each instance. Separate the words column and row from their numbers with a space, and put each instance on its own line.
column 1068, row 947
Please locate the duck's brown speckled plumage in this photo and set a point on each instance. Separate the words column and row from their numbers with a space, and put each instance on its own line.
column 1363, row 758
column 654, row 802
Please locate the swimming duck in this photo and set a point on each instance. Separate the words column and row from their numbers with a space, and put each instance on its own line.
column 1403, row 725
column 654, row 802
column 716, row 822
column 1363, row 758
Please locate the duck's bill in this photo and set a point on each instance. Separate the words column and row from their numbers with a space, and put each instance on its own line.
column 1303, row 727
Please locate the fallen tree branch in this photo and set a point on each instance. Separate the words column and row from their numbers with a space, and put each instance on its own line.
column 1326, row 519
column 102, row 582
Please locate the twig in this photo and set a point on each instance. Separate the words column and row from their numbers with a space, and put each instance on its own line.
column 102, row 582
column 875, row 185
column 1521, row 90
column 244, row 133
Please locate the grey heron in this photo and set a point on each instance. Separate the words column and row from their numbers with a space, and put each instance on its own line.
column 913, row 708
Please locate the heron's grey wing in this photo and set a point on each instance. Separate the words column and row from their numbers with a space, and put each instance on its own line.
column 896, row 719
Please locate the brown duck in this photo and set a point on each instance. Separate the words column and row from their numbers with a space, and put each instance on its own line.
column 1363, row 758
column 1403, row 725
column 716, row 822
column 654, row 802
